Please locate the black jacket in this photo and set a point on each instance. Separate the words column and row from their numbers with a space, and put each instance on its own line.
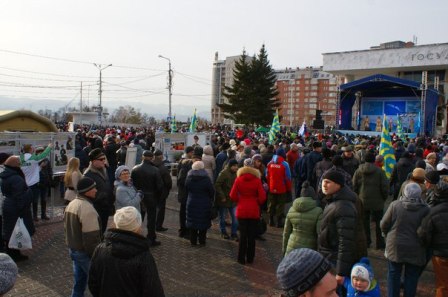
column 104, row 200
column 166, row 178
column 147, row 178
column 183, row 167
column 337, row 236
column 111, row 153
column 123, row 266
column 433, row 231
column 400, row 174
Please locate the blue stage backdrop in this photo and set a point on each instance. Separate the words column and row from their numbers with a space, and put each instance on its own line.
column 374, row 108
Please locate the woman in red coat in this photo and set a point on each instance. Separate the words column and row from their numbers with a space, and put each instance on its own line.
column 248, row 193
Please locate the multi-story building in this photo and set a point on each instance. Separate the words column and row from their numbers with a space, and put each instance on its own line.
column 222, row 76
column 310, row 89
column 302, row 91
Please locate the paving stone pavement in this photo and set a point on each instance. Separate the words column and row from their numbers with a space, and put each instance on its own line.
column 184, row 270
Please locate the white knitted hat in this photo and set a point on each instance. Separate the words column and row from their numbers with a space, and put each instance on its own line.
column 128, row 218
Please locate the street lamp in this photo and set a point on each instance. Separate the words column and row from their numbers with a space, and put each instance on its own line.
column 100, row 90
column 170, row 79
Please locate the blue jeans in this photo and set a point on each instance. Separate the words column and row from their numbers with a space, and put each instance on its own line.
column 222, row 219
column 411, row 275
column 81, row 265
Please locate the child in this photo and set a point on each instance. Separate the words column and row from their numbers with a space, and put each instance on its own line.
column 362, row 282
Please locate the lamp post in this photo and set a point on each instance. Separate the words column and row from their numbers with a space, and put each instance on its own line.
column 170, row 80
column 100, row 90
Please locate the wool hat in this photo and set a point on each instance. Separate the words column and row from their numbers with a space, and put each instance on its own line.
column 441, row 166
column 370, row 157
column 335, row 176
column 363, row 270
column 147, row 153
column 120, row 169
column 158, row 153
column 128, row 218
column 412, row 192
column 300, row 270
column 198, row 152
column 198, row 165
column 13, row 161
column 8, row 273
column 232, row 162
column 419, row 174
column 95, row 154
column 257, row 157
column 307, row 190
column 432, row 177
column 411, row 148
column 348, row 148
column 85, row 184
column 189, row 149
column 225, row 146
column 248, row 162
column 317, row 144
column 420, row 164
column 232, row 142
column 247, row 151
column 281, row 152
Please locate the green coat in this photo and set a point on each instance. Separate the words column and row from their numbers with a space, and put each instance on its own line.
column 371, row 185
column 223, row 185
column 301, row 225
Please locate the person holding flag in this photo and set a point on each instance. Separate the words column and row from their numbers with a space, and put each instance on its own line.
column 173, row 124
column 275, row 128
column 386, row 150
column 194, row 122
column 303, row 129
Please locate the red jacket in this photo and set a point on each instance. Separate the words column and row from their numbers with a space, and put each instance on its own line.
column 278, row 175
column 291, row 158
column 248, row 193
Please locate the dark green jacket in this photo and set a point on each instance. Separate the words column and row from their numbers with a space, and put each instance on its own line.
column 223, row 185
column 371, row 185
column 301, row 225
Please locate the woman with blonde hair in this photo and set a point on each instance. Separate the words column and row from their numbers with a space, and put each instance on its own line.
column 71, row 178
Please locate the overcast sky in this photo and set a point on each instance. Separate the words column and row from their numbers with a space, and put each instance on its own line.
column 133, row 33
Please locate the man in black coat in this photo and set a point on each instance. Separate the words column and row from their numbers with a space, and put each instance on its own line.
column 104, row 199
column 163, row 195
column 122, row 264
column 111, row 155
column 147, row 178
column 401, row 172
column 350, row 163
column 337, row 236
column 182, row 168
column 310, row 162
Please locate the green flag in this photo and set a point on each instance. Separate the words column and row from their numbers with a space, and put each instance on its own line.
column 194, row 122
column 386, row 150
column 275, row 128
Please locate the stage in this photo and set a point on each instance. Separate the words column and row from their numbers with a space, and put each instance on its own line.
column 371, row 133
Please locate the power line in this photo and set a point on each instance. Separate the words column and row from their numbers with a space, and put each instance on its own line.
column 44, row 57
column 37, row 78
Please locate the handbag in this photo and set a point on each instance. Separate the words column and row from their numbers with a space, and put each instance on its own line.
column 20, row 237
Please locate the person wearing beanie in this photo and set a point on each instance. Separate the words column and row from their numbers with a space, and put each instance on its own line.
column 403, row 247
column 125, row 192
column 310, row 161
column 209, row 161
column 278, row 176
column 433, row 234
column 245, row 154
column 82, row 226
column 148, row 180
column 322, row 166
column 302, row 221
column 401, row 172
column 104, row 200
column 17, row 203
column 417, row 176
column 350, row 163
column 110, row 151
column 337, row 234
column 183, row 167
column 372, row 187
column 122, row 264
column 8, row 273
column 29, row 163
column 248, row 194
column 200, row 196
column 220, row 159
column 305, row 272
column 158, row 161
column 432, row 178
column 431, row 162
column 362, row 281
column 223, row 185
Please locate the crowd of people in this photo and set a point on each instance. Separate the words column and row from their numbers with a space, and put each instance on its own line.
column 335, row 183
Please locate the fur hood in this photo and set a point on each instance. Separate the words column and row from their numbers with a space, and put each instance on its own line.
column 250, row 170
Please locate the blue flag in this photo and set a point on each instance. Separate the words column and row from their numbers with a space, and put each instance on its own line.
column 386, row 149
